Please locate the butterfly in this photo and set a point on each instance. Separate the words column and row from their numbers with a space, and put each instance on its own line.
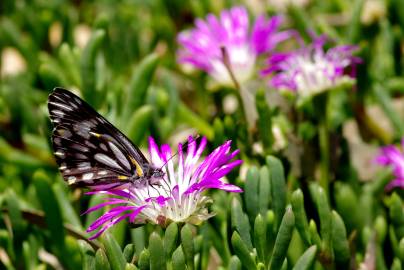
column 90, row 151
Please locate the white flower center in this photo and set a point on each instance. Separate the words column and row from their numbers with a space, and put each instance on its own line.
column 313, row 74
column 177, row 208
column 242, row 62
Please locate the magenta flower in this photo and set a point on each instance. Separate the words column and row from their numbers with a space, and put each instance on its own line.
column 392, row 156
column 312, row 69
column 201, row 46
column 179, row 197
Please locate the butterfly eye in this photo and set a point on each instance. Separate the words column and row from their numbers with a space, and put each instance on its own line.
column 158, row 173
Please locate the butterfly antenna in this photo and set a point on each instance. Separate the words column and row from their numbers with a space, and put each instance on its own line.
column 183, row 146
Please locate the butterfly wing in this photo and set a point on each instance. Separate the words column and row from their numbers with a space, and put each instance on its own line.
column 89, row 150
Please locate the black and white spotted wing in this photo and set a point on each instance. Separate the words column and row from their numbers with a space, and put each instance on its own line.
column 89, row 150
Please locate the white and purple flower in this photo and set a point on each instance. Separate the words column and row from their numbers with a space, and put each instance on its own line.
column 202, row 46
column 392, row 156
column 312, row 69
column 179, row 196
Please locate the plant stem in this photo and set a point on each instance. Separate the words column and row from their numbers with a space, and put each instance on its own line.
column 227, row 64
column 324, row 153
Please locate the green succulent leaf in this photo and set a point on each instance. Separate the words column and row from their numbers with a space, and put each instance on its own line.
column 188, row 245
column 278, row 188
column 339, row 239
column 240, row 222
column 139, row 123
column 234, row 263
column 101, row 260
column 170, row 239
column 114, row 253
column 242, row 251
column 260, row 236
column 141, row 79
column 178, row 259
column 144, row 260
column 282, row 240
column 324, row 212
column 87, row 255
column 302, row 224
column 129, row 252
column 88, row 65
column 307, row 260
column 156, row 249
column 66, row 207
column 264, row 190
column 251, row 192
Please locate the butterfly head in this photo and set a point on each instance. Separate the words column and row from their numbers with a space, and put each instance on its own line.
column 157, row 173
column 153, row 173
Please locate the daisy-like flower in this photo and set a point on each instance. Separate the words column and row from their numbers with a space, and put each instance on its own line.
column 392, row 156
column 312, row 69
column 178, row 197
column 202, row 47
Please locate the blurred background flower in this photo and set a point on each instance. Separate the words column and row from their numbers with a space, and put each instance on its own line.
column 202, row 47
column 393, row 157
column 227, row 48
column 312, row 69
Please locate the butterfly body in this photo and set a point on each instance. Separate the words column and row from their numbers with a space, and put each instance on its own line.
column 90, row 151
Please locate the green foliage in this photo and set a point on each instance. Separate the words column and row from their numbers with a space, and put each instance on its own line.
column 306, row 203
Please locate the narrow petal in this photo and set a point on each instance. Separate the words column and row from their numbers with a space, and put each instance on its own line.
column 202, row 46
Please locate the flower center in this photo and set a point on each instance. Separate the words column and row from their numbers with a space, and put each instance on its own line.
column 242, row 61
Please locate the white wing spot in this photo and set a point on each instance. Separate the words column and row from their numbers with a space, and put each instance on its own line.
column 59, row 98
column 119, row 155
column 103, row 147
column 101, row 120
column 60, row 105
column 84, row 165
column 87, row 176
column 106, row 160
column 94, row 121
column 84, row 134
column 88, row 124
column 79, row 147
column 60, row 154
column 71, row 180
column 102, row 173
column 80, row 156
column 89, row 144
column 78, row 101
column 82, row 130
column 57, row 141
column 73, row 105
column 58, row 112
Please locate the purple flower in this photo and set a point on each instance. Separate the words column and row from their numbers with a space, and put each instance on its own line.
column 312, row 69
column 178, row 197
column 201, row 46
column 393, row 157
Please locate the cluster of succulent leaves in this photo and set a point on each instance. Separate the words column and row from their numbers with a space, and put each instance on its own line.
column 128, row 72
